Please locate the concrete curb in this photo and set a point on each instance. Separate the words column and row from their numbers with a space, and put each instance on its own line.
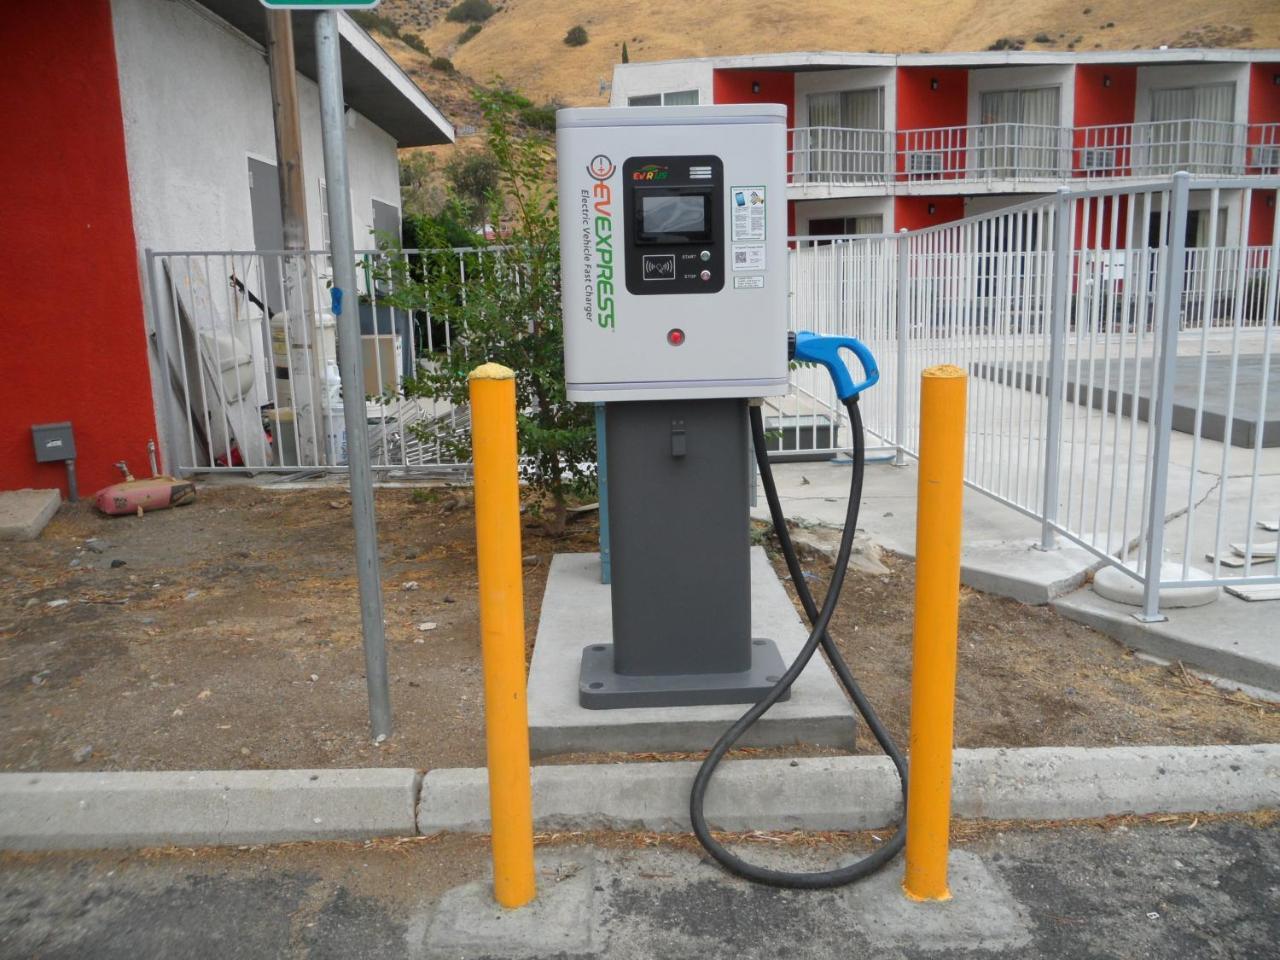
column 851, row 793
column 67, row 811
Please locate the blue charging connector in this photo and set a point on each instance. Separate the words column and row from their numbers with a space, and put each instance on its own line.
column 816, row 348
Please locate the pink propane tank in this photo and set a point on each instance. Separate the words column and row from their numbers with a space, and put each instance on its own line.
column 157, row 492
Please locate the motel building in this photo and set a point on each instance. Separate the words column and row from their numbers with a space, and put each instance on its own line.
column 136, row 126
column 884, row 142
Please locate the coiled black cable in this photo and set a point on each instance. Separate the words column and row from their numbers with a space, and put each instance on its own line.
column 820, row 619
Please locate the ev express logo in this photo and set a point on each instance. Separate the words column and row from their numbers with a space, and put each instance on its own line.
column 601, row 168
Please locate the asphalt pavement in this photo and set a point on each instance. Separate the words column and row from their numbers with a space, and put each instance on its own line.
column 1183, row 889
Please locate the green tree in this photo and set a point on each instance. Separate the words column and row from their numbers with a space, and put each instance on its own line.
column 576, row 37
column 508, row 311
column 625, row 57
column 474, row 177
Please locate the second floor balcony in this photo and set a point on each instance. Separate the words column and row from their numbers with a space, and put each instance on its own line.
column 1027, row 156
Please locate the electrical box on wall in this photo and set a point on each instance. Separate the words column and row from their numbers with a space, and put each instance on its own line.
column 673, row 246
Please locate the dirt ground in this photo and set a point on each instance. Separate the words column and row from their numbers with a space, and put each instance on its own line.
column 1027, row 676
column 226, row 635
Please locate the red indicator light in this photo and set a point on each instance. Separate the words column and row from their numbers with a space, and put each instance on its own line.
column 675, row 336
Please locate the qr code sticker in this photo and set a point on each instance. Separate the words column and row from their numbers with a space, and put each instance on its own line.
column 739, row 256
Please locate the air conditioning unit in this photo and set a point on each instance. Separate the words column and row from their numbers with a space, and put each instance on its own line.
column 925, row 162
column 1098, row 158
column 1266, row 158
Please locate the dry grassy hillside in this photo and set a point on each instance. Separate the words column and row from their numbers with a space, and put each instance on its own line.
column 523, row 41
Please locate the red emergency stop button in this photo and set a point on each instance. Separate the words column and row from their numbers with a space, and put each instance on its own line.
column 675, row 336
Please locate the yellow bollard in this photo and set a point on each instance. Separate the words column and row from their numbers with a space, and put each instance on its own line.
column 937, row 613
column 506, row 715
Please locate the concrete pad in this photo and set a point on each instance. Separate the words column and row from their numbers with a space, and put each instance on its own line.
column 561, row 919
column 861, row 792
column 981, row 915
column 1231, row 639
column 1116, row 585
column 24, row 513
column 68, row 811
column 670, row 903
column 998, row 553
column 576, row 611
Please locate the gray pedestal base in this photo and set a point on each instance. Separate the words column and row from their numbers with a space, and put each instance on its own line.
column 576, row 612
column 600, row 688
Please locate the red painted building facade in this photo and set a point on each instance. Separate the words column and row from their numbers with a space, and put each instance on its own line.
column 75, row 341
column 887, row 142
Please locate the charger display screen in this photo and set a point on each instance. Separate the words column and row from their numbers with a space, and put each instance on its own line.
column 674, row 216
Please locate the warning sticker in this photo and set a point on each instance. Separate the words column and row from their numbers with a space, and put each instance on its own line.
column 748, row 283
column 747, row 204
column 748, row 256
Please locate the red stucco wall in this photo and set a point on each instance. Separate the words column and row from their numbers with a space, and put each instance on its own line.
column 74, row 342
column 1262, row 217
column 919, row 105
column 913, row 213
column 1097, row 103
column 1264, row 93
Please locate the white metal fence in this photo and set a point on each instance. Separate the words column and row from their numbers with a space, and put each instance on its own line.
column 247, row 345
column 1121, row 384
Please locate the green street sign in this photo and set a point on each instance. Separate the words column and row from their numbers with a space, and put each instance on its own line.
column 320, row 5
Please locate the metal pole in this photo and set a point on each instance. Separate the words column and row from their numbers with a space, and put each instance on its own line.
column 939, row 522
column 333, row 132
column 900, row 388
column 1162, row 409
column 1056, row 374
column 506, row 708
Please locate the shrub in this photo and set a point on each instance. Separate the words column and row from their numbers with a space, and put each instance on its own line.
column 443, row 64
column 414, row 42
column 540, row 118
column 1042, row 38
column 577, row 36
column 1008, row 43
column 471, row 11
column 492, row 318
column 467, row 34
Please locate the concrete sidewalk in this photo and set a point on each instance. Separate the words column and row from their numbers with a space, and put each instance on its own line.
column 1175, row 890
column 998, row 554
column 1229, row 640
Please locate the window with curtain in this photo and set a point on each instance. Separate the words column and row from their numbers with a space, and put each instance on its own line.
column 1191, row 129
column 678, row 98
column 1020, row 133
column 846, row 135
column 681, row 98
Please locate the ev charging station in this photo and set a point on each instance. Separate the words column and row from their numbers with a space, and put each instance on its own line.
column 673, row 251
column 674, row 274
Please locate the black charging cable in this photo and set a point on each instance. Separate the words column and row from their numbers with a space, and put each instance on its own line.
column 818, row 636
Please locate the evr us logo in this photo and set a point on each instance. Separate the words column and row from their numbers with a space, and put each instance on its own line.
column 650, row 172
